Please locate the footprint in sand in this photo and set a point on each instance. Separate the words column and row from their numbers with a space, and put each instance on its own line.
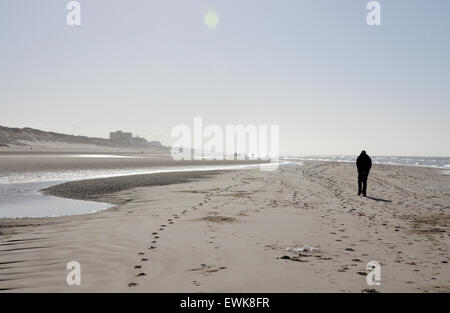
column 141, row 275
column 144, row 260
column 141, row 253
column 151, row 247
column 362, row 273
column 138, row 267
column 370, row 291
column 154, row 233
column 132, row 285
column 207, row 270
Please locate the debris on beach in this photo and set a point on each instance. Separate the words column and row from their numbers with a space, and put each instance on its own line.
column 301, row 252
column 218, row 219
column 295, row 258
column 302, row 249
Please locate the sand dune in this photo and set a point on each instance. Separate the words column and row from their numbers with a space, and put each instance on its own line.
column 229, row 233
column 31, row 140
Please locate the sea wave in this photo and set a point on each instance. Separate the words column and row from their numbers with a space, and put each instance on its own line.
column 436, row 162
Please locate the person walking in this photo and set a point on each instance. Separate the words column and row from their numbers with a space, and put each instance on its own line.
column 363, row 164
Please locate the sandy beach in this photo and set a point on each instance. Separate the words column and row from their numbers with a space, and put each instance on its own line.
column 228, row 231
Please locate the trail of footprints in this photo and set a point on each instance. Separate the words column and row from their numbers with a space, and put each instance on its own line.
column 205, row 269
column 153, row 245
column 156, row 235
column 327, row 184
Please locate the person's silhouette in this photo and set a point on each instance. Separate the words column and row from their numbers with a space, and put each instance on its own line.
column 363, row 163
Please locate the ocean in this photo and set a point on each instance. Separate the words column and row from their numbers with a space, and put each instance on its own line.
column 435, row 162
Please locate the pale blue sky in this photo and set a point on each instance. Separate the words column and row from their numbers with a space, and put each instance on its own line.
column 334, row 84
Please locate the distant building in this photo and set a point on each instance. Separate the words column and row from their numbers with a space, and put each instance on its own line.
column 139, row 141
column 126, row 139
column 120, row 137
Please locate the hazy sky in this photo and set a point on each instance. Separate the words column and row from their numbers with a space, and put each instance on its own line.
column 334, row 84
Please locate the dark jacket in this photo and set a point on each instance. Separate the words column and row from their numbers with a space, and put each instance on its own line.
column 363, row 163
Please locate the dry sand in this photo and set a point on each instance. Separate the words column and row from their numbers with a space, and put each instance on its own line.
column 229, row 232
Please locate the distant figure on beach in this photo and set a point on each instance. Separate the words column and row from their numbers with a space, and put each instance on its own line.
column 363, row 163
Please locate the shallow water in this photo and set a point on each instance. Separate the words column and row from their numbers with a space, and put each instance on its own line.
column 20, row 196
column 25, row 200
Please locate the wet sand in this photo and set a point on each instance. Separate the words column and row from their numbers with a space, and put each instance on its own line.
column 96, row 189
column 228, row 232
column 23, row 163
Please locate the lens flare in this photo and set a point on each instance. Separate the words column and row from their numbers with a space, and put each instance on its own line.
column 211, row 19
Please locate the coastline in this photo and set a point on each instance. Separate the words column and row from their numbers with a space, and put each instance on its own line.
column 234, row 227
column 96, row 189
